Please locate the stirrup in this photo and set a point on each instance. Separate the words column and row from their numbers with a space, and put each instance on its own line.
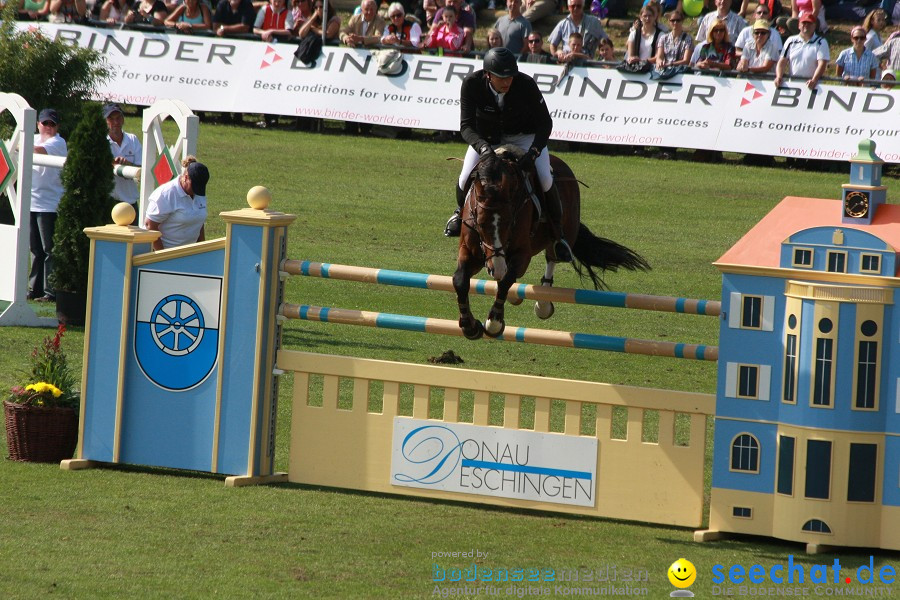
column 562, row 251
column 454, row 225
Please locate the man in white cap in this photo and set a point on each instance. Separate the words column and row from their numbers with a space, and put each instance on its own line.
column 126, row 150
column 46, row 192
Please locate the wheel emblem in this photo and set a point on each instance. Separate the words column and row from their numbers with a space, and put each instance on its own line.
column 177, row 325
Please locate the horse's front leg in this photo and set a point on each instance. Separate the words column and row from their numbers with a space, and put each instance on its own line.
column 471, row 327
column 495, row 324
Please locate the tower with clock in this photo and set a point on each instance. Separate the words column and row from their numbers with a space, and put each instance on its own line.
column 862, row 196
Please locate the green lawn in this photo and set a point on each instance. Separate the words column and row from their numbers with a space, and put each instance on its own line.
column 134, row 532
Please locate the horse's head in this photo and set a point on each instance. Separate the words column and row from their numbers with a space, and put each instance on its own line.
column 497, row 196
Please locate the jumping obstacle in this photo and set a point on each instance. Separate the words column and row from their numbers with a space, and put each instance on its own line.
column 16, row 160
column 183, row 358
column 510, row 334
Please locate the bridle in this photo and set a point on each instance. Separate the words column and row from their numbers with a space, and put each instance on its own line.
column 489, row 251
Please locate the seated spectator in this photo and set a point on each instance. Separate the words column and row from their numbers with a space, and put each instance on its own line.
column 493, row 39
column 657, row 9
column 67, row 11
column 813, row 7
column 191, row 16
column 746, row 35
column 34, row 10
column 426, row 11
column 177, row 209
column 856, row 62
column 365, row 29
column 233, row 16
column 320, row 16
column 115, row 11
column 774, row 9
column 804, row 55
column 587, row 25
column 535, row 10
column 575, row 56
column 513, row 27
column 874, row 24
column 674, row 48
column 535, row 52
column 718, row 51
column 147, row 12
column 760, row 53
column 734, row 23
column 606, row 51
column 273, row 19
column 402, row 32
column 643, row 40
column 465, row 18
column 890, row 52
column 447, row 34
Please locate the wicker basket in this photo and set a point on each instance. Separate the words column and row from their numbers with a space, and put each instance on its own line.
column 40, row 434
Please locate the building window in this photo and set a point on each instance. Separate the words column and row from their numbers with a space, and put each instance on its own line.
column 816, row 526
column 865, row 374
column 785, row 465
column 861, row 478
column 870, row 263
column 837, row 262
column 745, row 453
column 818, row 469
column 751, row 312
column 742, row 512
column 748, row 381
column 790, row 369
column 803, row 258
column 822, row 382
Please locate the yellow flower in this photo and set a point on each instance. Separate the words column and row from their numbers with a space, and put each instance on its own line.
column 42, row 387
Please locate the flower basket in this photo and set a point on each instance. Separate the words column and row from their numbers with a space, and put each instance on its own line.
column 40, row 433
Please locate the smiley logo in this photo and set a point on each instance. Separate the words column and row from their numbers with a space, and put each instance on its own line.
column 682, row 573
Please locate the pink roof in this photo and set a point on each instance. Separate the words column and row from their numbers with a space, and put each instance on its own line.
column 761, row 246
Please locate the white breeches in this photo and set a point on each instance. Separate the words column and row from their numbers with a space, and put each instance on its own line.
column 523, row 141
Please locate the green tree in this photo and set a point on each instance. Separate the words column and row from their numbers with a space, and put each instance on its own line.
column 48, row 72
column 86, row 202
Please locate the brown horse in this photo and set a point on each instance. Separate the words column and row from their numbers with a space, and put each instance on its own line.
column 501, row 230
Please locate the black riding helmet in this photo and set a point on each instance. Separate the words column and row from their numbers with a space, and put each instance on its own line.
column 501, row 62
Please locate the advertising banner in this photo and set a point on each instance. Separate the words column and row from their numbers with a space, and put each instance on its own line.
column 591, row 105
column 492, row 461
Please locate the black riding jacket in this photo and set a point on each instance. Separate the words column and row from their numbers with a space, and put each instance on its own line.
column 524, row 111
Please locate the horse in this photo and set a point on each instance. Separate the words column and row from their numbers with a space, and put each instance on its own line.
column 502, row 230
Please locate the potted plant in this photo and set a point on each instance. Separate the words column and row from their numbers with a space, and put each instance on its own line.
column 42, row 415
column 86, row 202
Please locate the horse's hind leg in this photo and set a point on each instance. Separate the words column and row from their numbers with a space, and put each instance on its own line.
column 545, row 310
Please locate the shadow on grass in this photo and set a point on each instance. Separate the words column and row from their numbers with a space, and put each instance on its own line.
column 300, row 340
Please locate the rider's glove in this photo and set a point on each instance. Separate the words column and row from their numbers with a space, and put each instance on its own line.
column 485, row 150
column 527, row 160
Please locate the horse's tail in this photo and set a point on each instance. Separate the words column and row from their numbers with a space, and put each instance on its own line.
column 596, row 252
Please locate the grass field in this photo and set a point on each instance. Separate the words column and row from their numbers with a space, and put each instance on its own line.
column 135, row 532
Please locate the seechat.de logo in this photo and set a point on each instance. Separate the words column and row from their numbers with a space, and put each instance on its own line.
column 682, row 575
column 796, row 573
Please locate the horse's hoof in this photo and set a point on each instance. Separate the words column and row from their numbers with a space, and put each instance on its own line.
column 514, row 300
column 544, row 310
column 475, row 332
column 494, row 328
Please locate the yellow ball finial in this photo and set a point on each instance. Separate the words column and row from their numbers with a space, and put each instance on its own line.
column 123, row 214
column 259, row 197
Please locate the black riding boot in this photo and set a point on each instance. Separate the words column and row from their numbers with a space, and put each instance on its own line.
column 554, row 215
column 454, row 223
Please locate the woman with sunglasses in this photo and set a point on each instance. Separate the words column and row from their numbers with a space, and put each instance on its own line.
column 675, row 48
column 534, row 50
column 857, row 62
column 760, row 54
column 314, row 24
column 718, row 52
column 400, row 31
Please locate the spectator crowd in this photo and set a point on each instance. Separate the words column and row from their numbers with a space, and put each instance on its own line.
column 757, row 37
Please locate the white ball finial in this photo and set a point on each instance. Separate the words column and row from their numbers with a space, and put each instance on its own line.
column 123, row 214
column 259, row 197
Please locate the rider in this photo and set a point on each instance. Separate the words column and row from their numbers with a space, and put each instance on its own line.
column 499, row 105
